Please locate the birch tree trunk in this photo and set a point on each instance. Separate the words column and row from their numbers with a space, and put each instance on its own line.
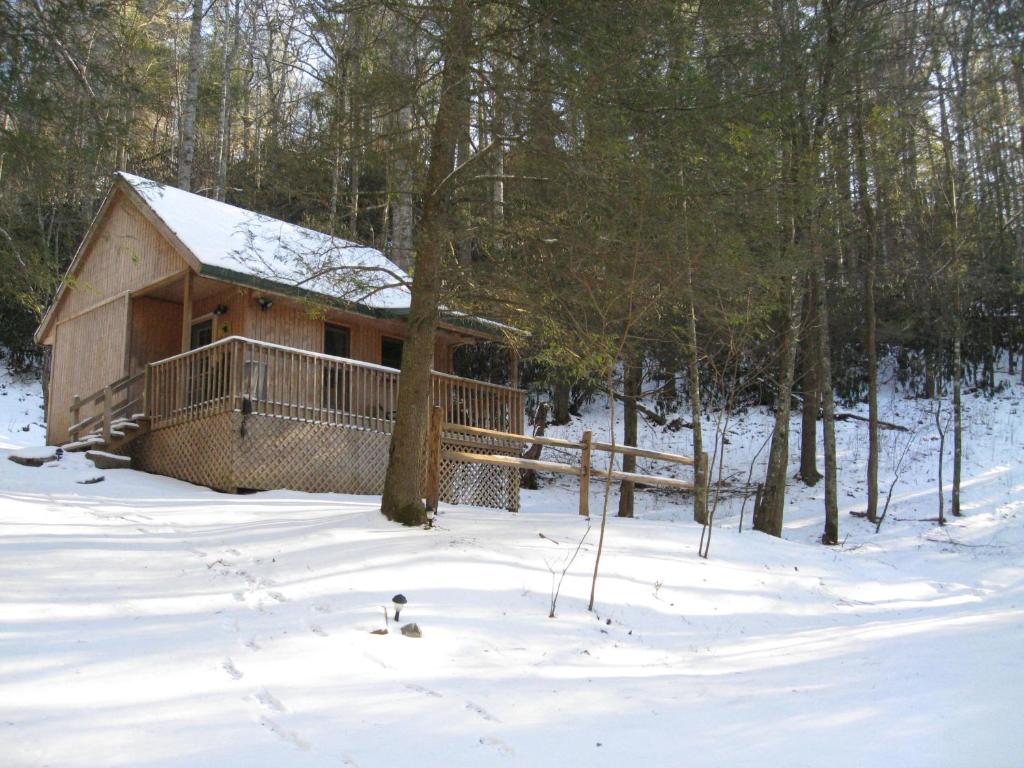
column 403, row 499
column 401, row 200
column 233, row 22
column 188, row 111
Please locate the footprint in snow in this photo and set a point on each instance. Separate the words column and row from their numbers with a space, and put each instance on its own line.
column 497, row 744
column 472, row 707
column 424, row 690
column 316, row 629
column 278, row 596
column 252, row 645
column 229, row 666
column 290, row 736
column 375, row 660
column 239, row 596
column 267, row 699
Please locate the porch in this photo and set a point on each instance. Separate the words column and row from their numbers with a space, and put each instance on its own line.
column 240, row 414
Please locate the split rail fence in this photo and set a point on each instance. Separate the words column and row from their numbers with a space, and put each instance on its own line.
column 442, row 435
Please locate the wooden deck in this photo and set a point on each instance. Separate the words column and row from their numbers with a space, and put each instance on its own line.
column 243, row 414
column 240, row 375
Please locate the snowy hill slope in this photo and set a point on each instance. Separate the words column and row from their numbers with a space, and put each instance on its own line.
column 147, row 622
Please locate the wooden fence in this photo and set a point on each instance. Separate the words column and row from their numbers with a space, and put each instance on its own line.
column 443, row 434
column 242, row 375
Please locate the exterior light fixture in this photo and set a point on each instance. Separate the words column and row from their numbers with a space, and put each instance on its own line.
column 265, row 303
column 220, row 309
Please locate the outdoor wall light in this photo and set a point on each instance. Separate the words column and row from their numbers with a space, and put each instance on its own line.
column 265, row 303
column 220, row 309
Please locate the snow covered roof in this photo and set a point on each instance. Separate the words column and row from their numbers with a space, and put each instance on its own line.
column 228, row 239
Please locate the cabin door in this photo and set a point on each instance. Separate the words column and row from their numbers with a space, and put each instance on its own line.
column 337, row 343
column 202, row 334
column 203, row 370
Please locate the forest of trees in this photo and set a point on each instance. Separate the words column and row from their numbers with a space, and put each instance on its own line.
column 715, row 205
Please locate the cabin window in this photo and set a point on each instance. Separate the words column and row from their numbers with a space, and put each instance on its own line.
column 337, row 341
column 391, row 352
column 202, row 334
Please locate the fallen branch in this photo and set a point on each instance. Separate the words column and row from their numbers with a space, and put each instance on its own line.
column 652, row 416
column 882, row 424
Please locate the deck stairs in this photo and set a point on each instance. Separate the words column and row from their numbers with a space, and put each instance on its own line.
column 118, row 419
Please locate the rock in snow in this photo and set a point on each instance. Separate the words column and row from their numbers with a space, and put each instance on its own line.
column 34, row 457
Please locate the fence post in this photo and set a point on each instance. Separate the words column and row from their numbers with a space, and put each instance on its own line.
column 585, row 474
column 76, row 404
column 108, row 399
column 434, row 457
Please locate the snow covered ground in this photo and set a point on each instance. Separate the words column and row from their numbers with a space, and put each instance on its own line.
column 147, row 622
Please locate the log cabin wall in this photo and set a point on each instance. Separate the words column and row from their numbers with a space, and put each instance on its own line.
column 234, row 322
column 300, row 325
column 126, row 253
column 88, row 354
column 89, row 330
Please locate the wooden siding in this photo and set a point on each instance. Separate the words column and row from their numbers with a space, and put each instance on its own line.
column 285, row 323
column 301, row 326
column 127, row 253
column 232, row 323
column 155, row 331
column 89, row 353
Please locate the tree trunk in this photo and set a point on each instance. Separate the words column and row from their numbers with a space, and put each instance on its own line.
column 560, row 401
column 954, row 507
column 188, row 110
column 224, row 126
column 872, row 355
column 632, row 382
column 403, row 499
column 870, row 320
column 528, row 477
column 402, row 214
column 700, row 493
column 769, row 514
column 809, row 361
column 828, row 411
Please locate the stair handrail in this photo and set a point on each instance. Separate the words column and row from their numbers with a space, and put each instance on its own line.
column 103, row 397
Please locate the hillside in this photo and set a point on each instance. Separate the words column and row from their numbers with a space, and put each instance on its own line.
column 147, row 622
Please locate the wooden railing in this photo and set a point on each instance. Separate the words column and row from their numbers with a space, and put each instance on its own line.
column 242, row 375
column 109, row 408
column 448, row 434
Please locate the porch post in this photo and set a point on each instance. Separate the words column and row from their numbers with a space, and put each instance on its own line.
column 513, row 361
column 186, row 314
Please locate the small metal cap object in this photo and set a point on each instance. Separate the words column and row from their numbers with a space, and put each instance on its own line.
column 399, row 602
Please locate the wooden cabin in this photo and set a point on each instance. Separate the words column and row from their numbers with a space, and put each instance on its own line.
column 230, row 349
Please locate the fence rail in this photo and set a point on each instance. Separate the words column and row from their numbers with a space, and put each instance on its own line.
column 441, row 433
column 242, row 375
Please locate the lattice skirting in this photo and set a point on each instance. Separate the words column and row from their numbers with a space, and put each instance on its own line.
column 229, row 451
